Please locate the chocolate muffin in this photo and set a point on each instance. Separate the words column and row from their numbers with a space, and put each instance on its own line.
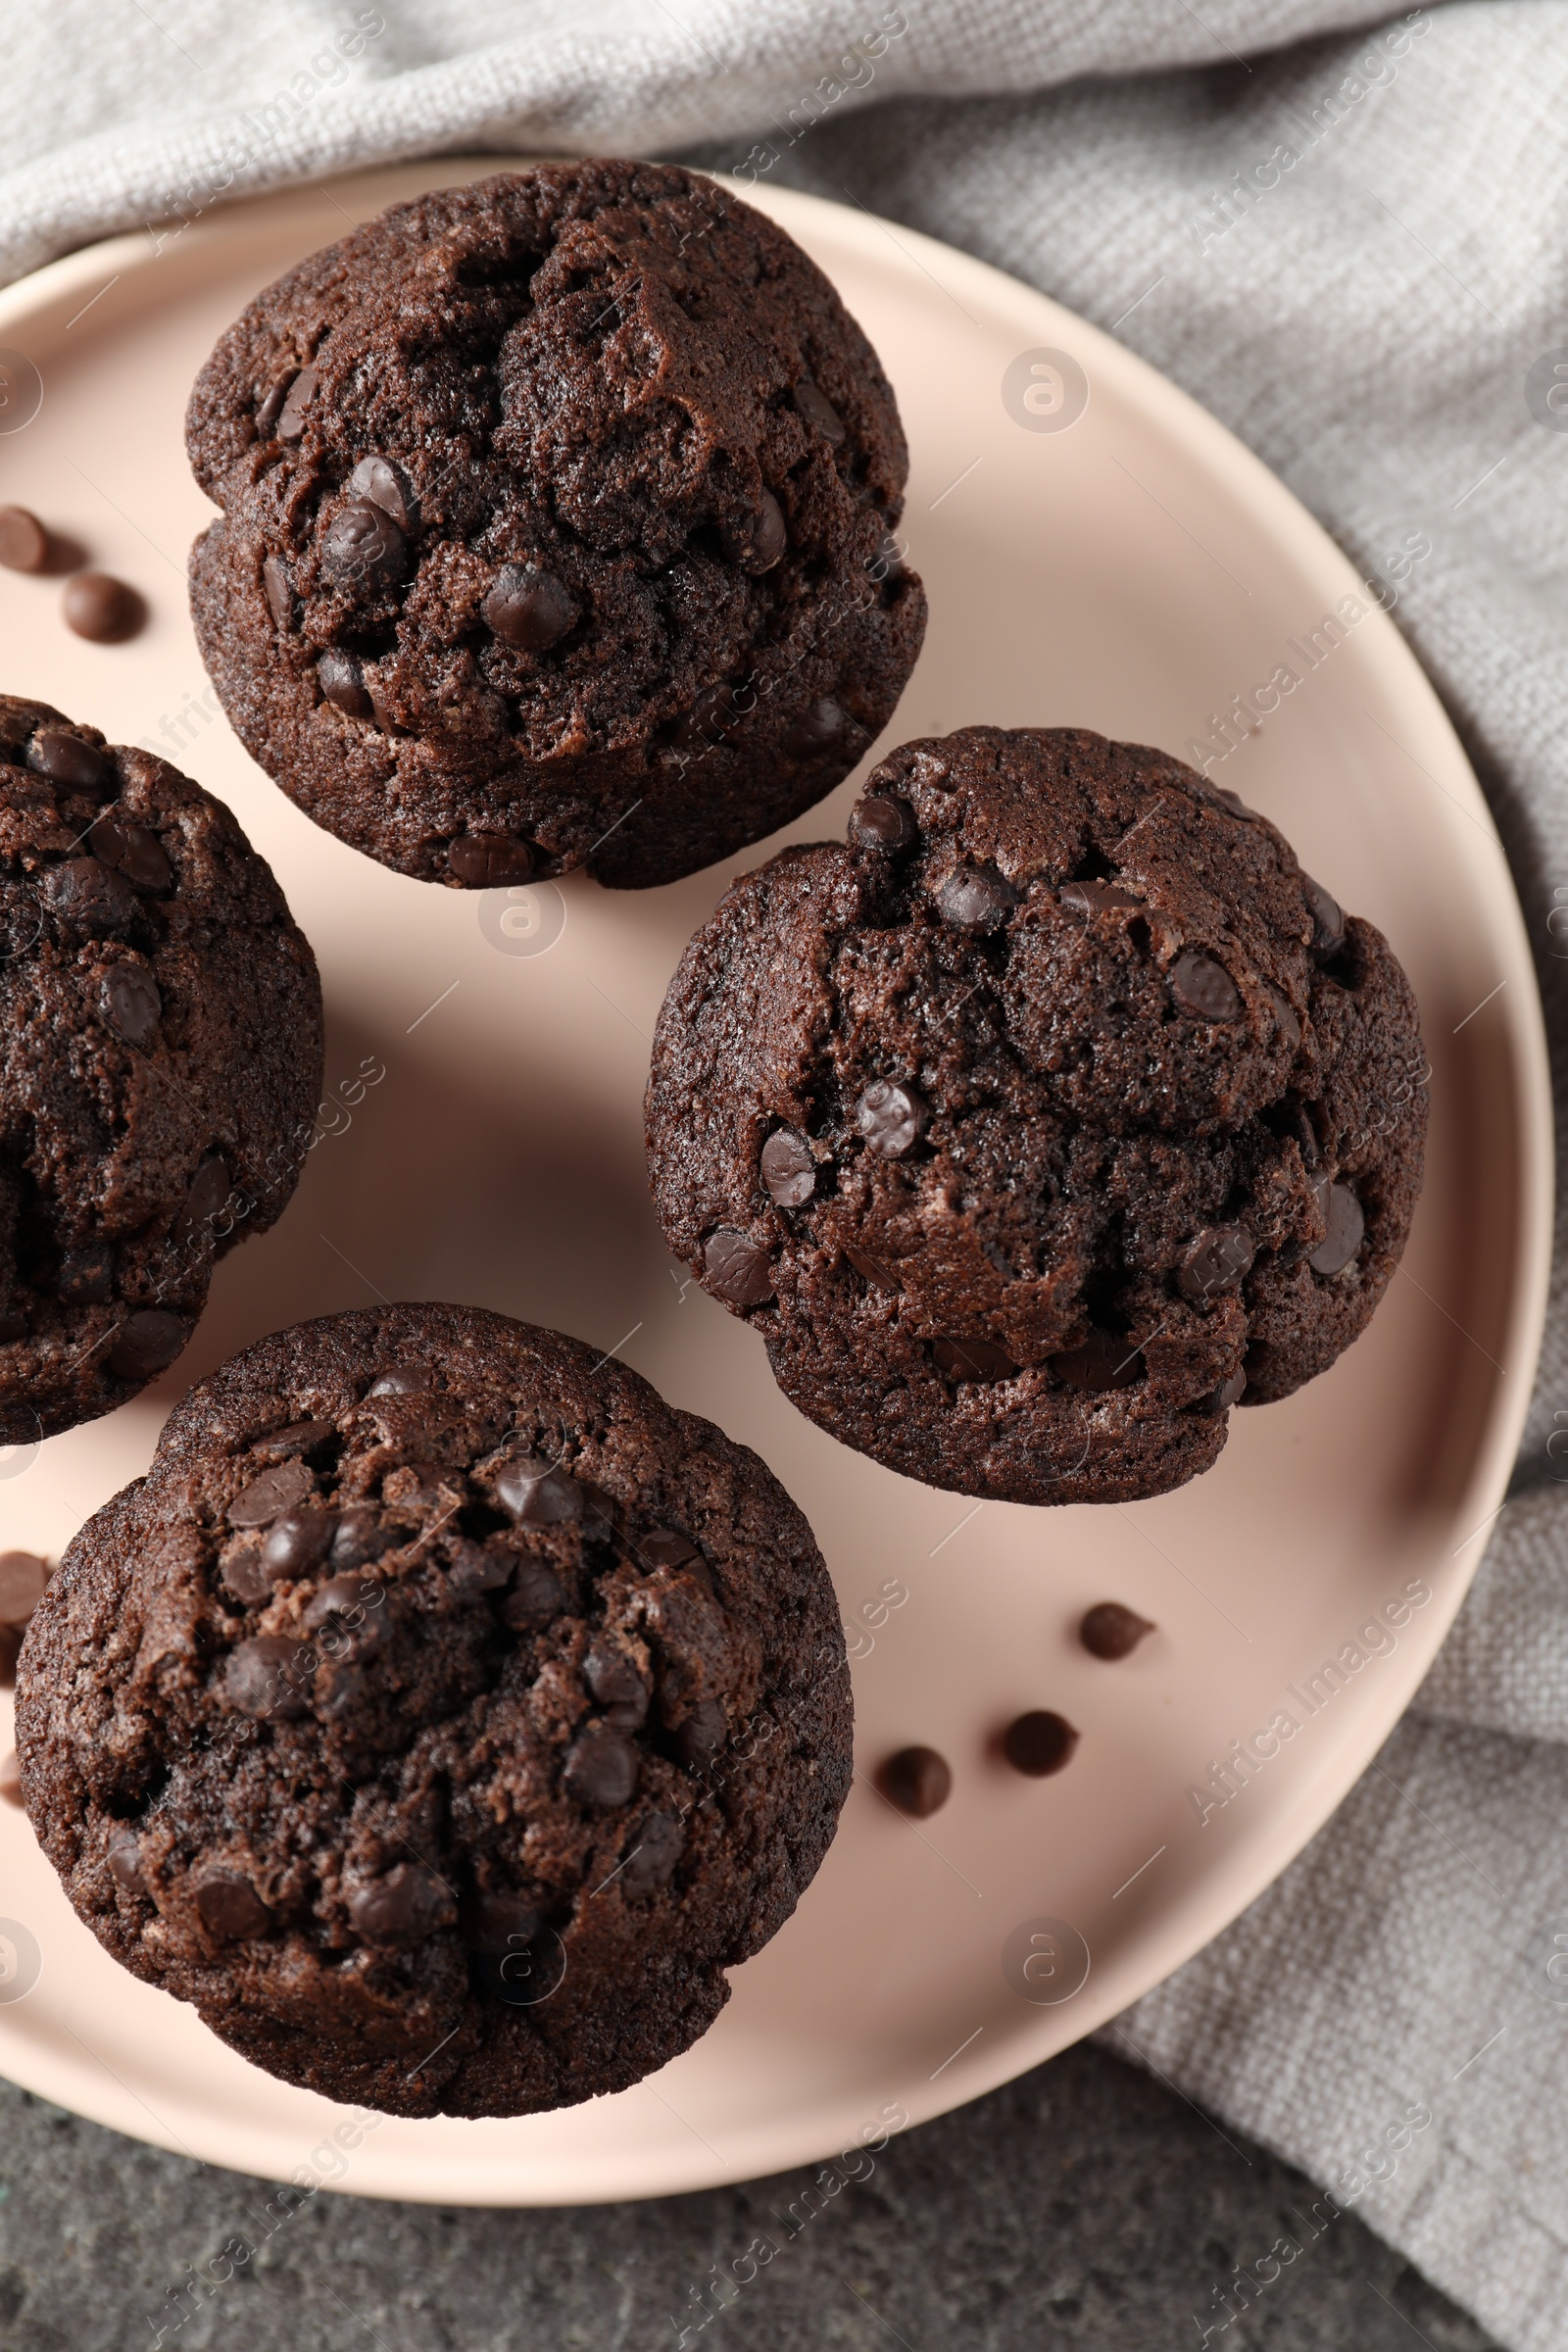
column 556, row 529
column 162, row 1022
column 1048, row 1118
column 442, row 1715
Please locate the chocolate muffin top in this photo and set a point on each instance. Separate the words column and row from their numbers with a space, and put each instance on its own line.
column 162, row 1040
column 1047, row 1118
column 557, row 515
column 442, row 1715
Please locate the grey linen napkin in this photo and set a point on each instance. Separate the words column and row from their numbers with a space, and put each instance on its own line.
column 1365, row 315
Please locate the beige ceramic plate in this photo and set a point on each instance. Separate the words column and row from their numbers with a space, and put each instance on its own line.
column 1098, row 553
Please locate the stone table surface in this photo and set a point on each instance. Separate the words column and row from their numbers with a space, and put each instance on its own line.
column 1084, row 2205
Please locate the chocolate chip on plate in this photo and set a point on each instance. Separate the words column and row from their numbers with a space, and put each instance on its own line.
column 975, row 897
column 66, row 760
column 270, row 1494
column 1347, row 1228
column 600, row 1768
column 1038, row 1742
column 133, row 851
column 1205, row 987
column 23, row 541
column 890, row 1117
column 231, row 1910
column 918, row 1780
column 814, row 403
column 882, row 822
column 530, row 608
column 98, row 607
column 788, row 1169
column 490, row 860
column 146, row 1343
column 1215, row 1262
column 1111, row 1629
column 1106, row 1359
column 131, row 1004
column 819, row 728
column 737, row 1270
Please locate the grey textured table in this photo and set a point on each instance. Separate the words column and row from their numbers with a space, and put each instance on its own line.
column 1084, row 2205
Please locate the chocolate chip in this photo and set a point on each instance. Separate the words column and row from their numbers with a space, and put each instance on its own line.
column 133, row 851
column 476, row 1568
column 815, row 406
column 502, row 1921
column 404, row 1907
column 1328, row 919
column 88, row 897
column 1228, row 1392
column 602, row 1514
column 147, row 1342
column 1109, row 1629
column 278, row 592
column 342, row 682
column 1106, row 1359
column 530, row 608
column 537, row 1596
column 650, row 1857
column 489, row 860
column 400, row 1380
column 267, row 1497
column 1216, row 1260
column 231, row 1910
column 818, row 729
column 788, row 1169
column 1290, row 1028
column 881, row 821
column 703, row 1733
column 975, row 897
column 918, row 1781
column 209, row 1190
column 100, row 608
column 298, row 1541
column 86, row 1277
column 23, row 541
column 665, row 1547
column 66, row 760
column 890, row 1117
column 1096, row 896
column 272, row 407
column 735, row 1269
column 265, row 1678
column 1038, row 1742
column 374, row 478
column 616, row 1685
column 131, row 1004
column 341, row 1685
column 600, row 1768
column 875, row 1270
column 124, row 1862
column 1205, row 987
column 360, row 1537
column 758, row 544
column 295, row 1437
column 363, row 547
column 973, row 1359
column 1347, row 1228
column 244, row 1577
column 23, row 1578
column 537, row 1493
column 294, row 404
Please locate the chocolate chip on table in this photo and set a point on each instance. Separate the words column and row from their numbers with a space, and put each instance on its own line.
column 536, row 1492
column 973, row 1359
column 757, row 545
column 918, row 1780
column 86, row 1277
column 1038, row 1742
column 269, row 1496
column 278, row 592
column 133, row 851
column 1347, row 1228
column 814, row 403
column 23, row 541
column 600, row 1768
column 100, row 608
column 88, row 897
column 530, row 608
column 1205, row 987
column 292, row 407
column 231, row 1910
column 265, row 1678
column 1328, row 919
column 361, row 1537
column 66, row 760
column 882, row 822
column 364, row 546
column 1111, row 1629
column 875, row 1270
column 788, row 1169
column 131, row 1004
column 490, row 860
column 124, row 1862
column 665, row 1547
column 890, row 1117
column 702, row 1734
column 298, row 1541
column 974, row 898
column 652, row 1855
column 23, row 1578
column 536, row 1598
column 737, row 1270
column 403, row 1905
column 374, row 478
column 146, row 1343
column 1094, row 896
column 1215, row 1262
column 342, row 682
column 1106, row 1359
column 819, row 728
